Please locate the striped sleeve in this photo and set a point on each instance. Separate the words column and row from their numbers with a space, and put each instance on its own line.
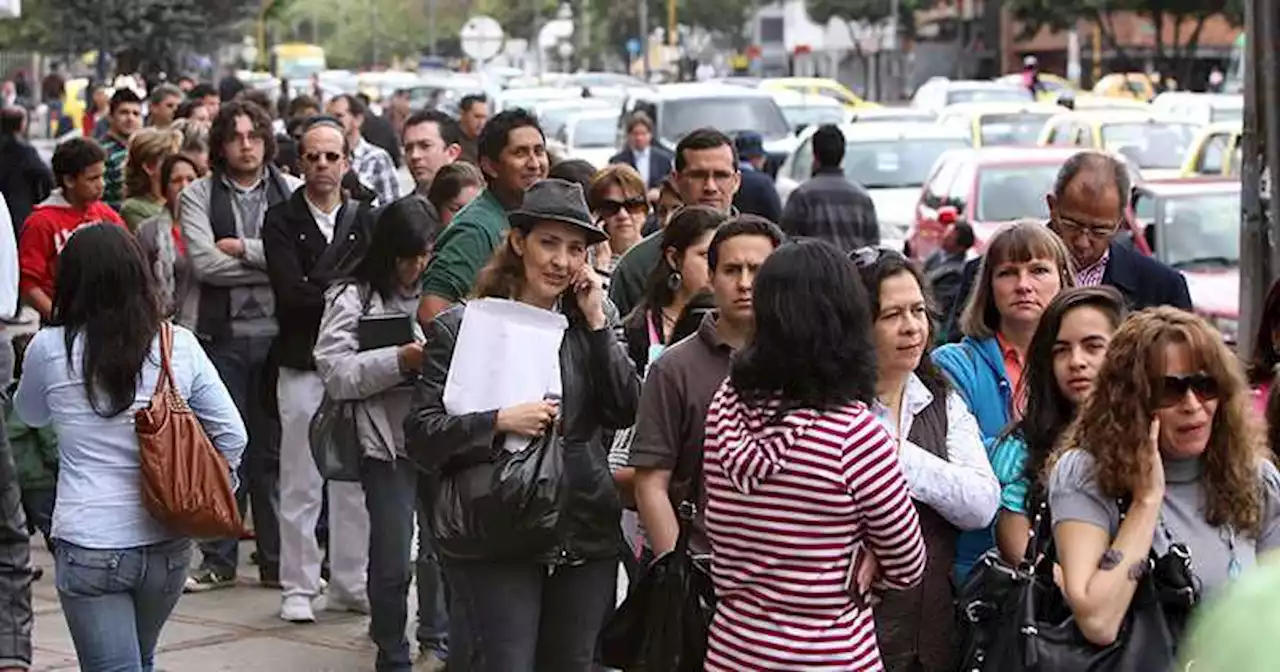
column 1009, row 460
column 875, row 479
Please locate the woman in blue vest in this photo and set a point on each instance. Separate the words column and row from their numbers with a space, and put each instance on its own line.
column 1025, row 266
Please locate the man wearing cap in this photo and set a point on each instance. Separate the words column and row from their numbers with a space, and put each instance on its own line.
column 653, row 163
column 757, row 195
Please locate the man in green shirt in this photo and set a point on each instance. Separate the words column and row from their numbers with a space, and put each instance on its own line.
column 513, row 156
column 125, row 119
column 706, row 174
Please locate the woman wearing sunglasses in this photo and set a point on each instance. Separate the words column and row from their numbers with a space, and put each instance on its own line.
column 1167, row 430
column 1069, row 347
column 942, row 457
column 617, row 200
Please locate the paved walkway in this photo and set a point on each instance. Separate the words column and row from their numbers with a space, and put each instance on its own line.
column 235, row 630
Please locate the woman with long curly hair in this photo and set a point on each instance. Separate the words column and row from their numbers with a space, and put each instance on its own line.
column 802, row 480
column 1168, row 431
column 1066, row 353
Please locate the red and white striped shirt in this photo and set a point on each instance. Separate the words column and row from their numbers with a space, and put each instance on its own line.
column 789, row 499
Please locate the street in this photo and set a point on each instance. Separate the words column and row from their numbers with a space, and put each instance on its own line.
column 237, row 629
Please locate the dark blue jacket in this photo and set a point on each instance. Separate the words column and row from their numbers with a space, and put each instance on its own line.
column 661, row 163
column 1145, row 282
column 757, row 195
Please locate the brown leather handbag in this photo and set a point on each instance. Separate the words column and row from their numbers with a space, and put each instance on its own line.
column 186, row 482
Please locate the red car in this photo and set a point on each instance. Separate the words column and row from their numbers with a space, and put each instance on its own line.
column 988, row 187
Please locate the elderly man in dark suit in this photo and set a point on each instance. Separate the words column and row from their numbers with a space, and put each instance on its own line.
column 651, row 161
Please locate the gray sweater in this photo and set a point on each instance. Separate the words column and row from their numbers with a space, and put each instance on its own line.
column 372, row 376
column 1074, row 495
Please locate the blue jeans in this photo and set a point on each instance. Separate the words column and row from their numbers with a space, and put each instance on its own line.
column 390, row 495
column 518, row 617
column 242, row 364
column 433, row 589
column 117, row 600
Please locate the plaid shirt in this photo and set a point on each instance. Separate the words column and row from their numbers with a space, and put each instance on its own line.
column 1091, row 276
column 376, row 170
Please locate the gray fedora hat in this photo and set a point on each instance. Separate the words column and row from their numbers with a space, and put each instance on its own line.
column 556, row 200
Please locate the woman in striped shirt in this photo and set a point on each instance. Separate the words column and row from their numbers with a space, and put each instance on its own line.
column 803, row 483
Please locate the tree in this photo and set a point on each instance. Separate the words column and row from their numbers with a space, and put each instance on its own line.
column 353, row 33
column 1172, row 58
column 621, row 21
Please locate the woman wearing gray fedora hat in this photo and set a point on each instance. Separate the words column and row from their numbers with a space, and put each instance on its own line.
column 519, row 611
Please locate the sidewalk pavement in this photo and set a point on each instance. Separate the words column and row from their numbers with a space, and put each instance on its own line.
column 237, row 629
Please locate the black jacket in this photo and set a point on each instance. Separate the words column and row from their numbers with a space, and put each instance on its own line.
column 757, row 195
column 380, row 133
column 661, row 162
column 301, row 266
column 600, row 392
column 1145, row 282
column 25, row 180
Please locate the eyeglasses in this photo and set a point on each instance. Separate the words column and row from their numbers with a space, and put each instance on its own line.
column 638, row 205
column 1067, row 227
column 314, row 157
column 1174, row 389
column 870, row 256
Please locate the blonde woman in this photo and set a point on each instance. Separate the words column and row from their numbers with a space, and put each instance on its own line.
column 618, row 203
column 144, row 191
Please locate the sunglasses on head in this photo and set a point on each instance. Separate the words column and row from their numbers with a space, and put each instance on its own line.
column 314, row 157
column 1174, row 389
column 870, row 256
column 609, row 207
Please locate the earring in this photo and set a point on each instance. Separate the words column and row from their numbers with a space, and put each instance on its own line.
column 674, row 280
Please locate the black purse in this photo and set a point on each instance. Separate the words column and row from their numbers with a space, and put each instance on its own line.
column 664, row 623
column 1017, row 618
column 508, row 507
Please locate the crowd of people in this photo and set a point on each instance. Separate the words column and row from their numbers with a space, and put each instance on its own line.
column 844, row 461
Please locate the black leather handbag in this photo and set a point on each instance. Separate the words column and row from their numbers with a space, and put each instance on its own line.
column 1016, row 619
column 664, row 622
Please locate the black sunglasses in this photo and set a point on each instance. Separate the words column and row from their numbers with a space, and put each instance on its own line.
column 314, row 157
column 609, row 208
column 1174, row 389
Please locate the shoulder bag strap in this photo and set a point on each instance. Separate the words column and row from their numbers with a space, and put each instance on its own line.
column 687, row 512
column 164, row 379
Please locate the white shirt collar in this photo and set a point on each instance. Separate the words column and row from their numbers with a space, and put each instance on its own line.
column 915, row 398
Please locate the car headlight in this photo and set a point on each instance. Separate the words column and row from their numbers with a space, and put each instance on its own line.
column 1229, row 327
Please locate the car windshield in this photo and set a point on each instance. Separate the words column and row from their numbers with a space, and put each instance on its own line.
column 1200, row 229
column 813, row 115
column 552, row 119
column 896, row 164
column 1011, row 192
column 595, row 132
column 1150, row 144
column 988, row 94
column 730, row 114
column 1022, row 128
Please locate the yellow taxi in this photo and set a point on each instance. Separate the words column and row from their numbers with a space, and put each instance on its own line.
column 818, row 86
column 1156, row 144
column 1089, row 101
column 1215, row 151
column 1134, row 85
column 999, row 124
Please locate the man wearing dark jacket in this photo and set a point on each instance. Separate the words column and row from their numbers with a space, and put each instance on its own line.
column 757, row 195
column 310, row 239
column 829, row 206
column 25, row 180
column 652, row 162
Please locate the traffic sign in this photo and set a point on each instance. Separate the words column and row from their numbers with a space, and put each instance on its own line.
column 481, row 38
column 633, row 46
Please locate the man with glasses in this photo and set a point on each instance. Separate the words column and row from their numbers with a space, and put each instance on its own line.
column 706, row 174
column 310, row 240
column 1087, row 209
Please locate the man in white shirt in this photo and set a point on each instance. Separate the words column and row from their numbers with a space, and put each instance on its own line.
column 373, row 164
column 652, row 162
column 311, row 239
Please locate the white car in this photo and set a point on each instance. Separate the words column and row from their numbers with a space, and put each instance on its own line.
column 803, row 110
column 890, row 161
column 590, row 136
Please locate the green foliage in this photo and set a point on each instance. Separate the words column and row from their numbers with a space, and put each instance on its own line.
column 348, row 30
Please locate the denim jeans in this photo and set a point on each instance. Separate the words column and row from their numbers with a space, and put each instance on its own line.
column 117, row 600
column 433, row 589
column 390, row 493
column 521, row 617
column 242, row 364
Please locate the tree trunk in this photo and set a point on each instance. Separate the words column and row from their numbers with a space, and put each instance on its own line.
column 1159, row 60
column 1107, row 28
column 1188, row 54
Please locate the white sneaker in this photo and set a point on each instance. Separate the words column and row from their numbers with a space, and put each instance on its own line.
column 297, row 609
column 336, row 601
